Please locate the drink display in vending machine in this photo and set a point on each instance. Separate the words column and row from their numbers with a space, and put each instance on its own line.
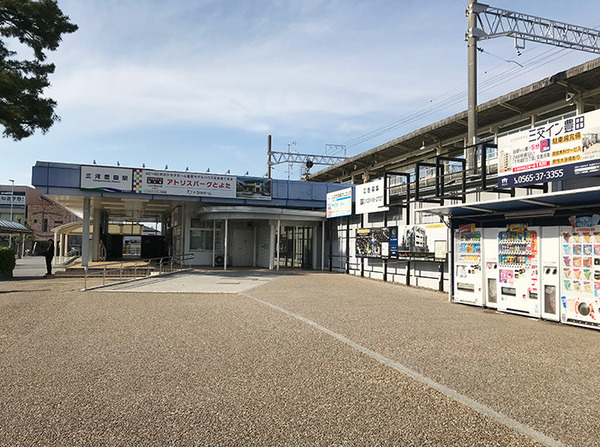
column 468, row 275
column 518, row 273
column 580, row 269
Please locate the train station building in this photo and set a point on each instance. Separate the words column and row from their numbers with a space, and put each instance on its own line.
column 217, row 220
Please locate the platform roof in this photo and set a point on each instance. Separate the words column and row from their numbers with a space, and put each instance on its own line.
column 9, row 227
column 544, row 99
column 585, row 200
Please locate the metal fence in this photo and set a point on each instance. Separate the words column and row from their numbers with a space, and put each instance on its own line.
column 128, row 270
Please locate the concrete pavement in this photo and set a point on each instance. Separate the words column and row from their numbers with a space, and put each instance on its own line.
column 301, row 359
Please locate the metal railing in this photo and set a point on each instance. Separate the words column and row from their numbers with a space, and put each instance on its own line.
column 134, row 269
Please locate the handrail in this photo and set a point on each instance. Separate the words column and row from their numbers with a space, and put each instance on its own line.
column 144, row 265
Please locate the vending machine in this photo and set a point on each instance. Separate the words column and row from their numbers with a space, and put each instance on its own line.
column 519, row 286
column 550, row 272
column 490, row 266
column 580, row 276
column 468, row 276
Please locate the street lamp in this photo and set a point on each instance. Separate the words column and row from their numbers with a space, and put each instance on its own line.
column 12, row 195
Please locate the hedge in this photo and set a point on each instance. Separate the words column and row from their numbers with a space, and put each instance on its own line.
column 7, row 262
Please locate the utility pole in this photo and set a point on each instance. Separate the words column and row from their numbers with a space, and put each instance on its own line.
column 269, row 156
column 487, row 22
column 472, row 85
column 12, row 197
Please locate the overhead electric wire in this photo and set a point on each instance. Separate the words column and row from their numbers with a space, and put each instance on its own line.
column 487, row 85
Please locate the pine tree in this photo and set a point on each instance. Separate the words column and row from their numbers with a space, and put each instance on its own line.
column 38, row 24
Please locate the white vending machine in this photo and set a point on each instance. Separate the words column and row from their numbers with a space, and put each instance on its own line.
column 580, row 276
column 550, row 271
column 468, row 276
column 519, row 288
column 490, row 266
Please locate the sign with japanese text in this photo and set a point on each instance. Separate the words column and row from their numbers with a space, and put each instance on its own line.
column 339, row 203
column 14, row 199
column 560, row 150
column 146, row 181
column 105, row 178
column 466, row 228
column 369, row 197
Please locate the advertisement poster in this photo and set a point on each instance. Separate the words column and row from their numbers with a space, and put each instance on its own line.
column 146, row 181
column 106, row 178
column 565, row 149
column 370, row 242
column 393, row 242
column 339, row 203
column 418, row 242
column 255, row 188
column 369, row 197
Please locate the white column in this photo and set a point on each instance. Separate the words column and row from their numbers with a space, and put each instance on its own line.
column 226, row 242
column 85, row 233
column 254, row 247
column 315, row 246
column 271, row 246
column 214, row 241
column 55, row 251
column 278, row 240
column 323, row 245
column 62, row 248
column 96, row 233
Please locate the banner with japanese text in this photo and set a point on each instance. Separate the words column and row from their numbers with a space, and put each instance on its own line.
column 106, row 178
column 370, row 197
column 559, row 150
column 339, row 203
column 146, row 181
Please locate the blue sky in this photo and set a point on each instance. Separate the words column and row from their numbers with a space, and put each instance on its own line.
column 201, row 84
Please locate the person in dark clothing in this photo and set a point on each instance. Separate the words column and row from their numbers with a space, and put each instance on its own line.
column 49, row 254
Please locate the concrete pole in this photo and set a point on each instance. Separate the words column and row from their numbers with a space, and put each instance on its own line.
column 269, row 156
column 472, row 86
column 85, row 233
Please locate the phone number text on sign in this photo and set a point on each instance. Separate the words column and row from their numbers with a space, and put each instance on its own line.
column 539, row 177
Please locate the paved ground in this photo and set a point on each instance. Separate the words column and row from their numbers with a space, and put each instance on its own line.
column 32, row 266
column 302, row 359
column 216, row 281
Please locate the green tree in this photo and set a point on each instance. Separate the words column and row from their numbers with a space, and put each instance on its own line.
column 38, row 24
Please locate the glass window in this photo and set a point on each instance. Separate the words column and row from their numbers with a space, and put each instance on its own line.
column 202, row 233
column 201, row 239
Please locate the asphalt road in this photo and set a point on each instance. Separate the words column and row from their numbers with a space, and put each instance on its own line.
column 303, row 359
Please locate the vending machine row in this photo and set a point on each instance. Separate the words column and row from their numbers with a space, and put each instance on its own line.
column 513, row 269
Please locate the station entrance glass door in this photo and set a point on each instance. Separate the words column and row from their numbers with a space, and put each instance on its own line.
column 296, row 247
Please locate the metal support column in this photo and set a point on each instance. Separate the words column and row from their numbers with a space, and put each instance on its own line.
column 85, row 233
column 226, row 244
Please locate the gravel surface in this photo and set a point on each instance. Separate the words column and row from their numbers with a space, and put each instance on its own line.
column 204, row 369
